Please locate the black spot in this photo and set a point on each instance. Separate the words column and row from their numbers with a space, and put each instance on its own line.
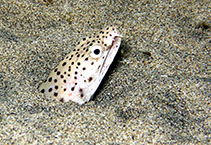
column 105, row 45
column 84, row 39
column 93, row 41
column 79, row 49
column 42, row 91
column 82, row 55
column 81, row 46
column 55, row 94
column 78, row 55
column 55, row 80
column 97, row 51
column 87, row 49
column 75, row 77
column 58, row 73
column 90, row 44
column 70, row 58
column 62, row 100
column 64, row 81
column 84, row 81
column 68, row 75
column 56, row 70
column 80, row 90
column 65, row 72
column 106, row 32
column 106, row 37
column 103, row 36
column 78, row 63
column 61, row 76
column 84, row 68
column 76, row 72
column 72, row 63
column 110, row 34
column 76, row 84
column 74, row 49
column 82, row 95
column 69, row 68
column 113, row 29
column 92, row 63
column 107, row 28
column 86, row 59
column 98, row 36
column 56, row 87
column 98, row 41
column 50, row 79
column 65, row 89
column 99, row 67
column 90, row 79
column 50, row 89
column 67, row 57
column 72, row 89
column 64, row 64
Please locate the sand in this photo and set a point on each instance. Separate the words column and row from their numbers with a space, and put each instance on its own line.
column 157, row 90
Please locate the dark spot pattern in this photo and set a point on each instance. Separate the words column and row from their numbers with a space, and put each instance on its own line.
column 64, row 63
column 42, row 91
column 80, row 90
column 50, row 79
column 55, row 94
column 58, row 73
column 50, row 89
column 62, row 100
column 90, row 79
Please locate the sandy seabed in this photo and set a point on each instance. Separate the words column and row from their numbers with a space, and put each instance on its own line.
column 157, row 90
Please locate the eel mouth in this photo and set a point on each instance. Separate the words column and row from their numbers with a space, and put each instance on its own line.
column 115, row 40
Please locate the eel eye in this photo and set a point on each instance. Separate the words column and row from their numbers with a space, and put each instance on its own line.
column 96, row 51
